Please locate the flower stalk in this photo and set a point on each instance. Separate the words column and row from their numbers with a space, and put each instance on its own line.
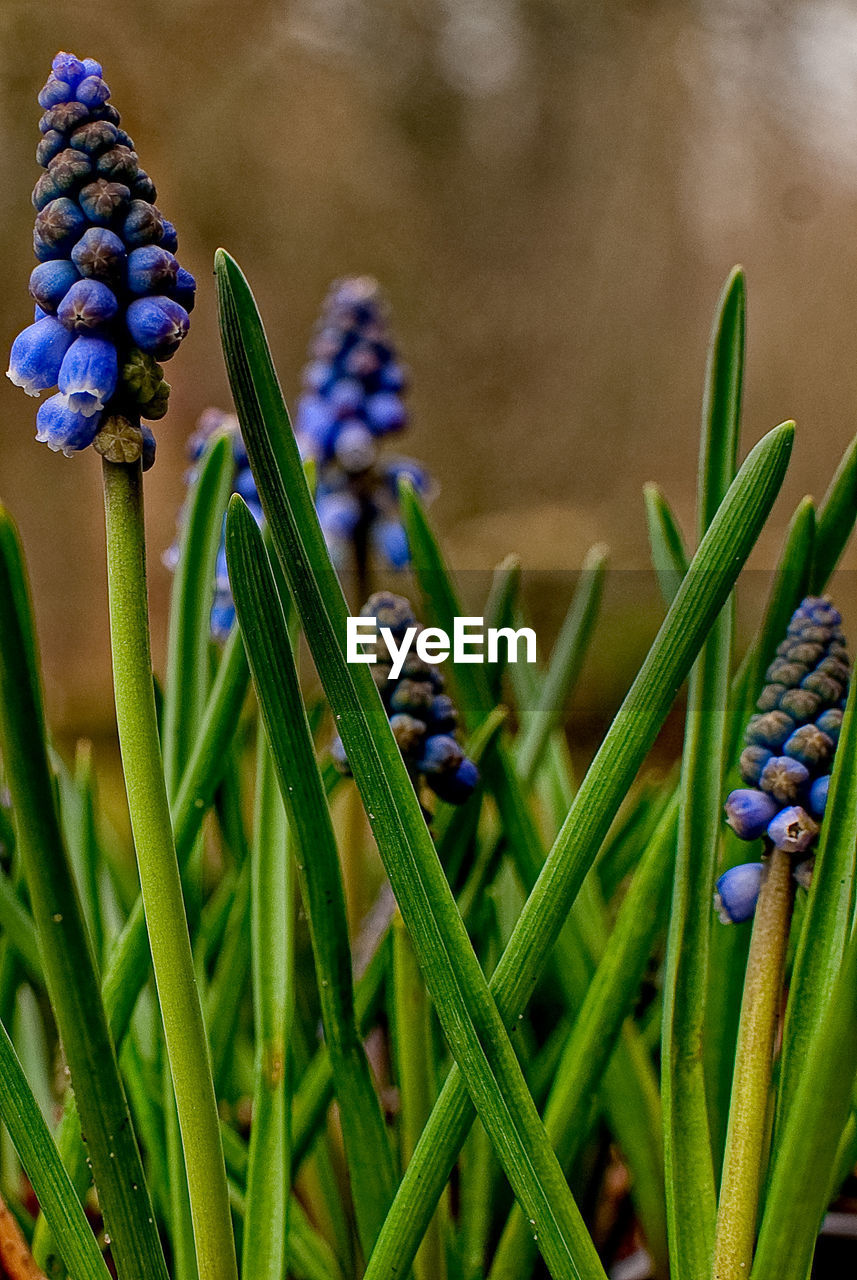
column 751, row 1082
column 184, row 1030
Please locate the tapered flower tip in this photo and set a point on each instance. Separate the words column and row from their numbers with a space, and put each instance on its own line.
column 37, row 354
column 89, row 374
column 63, row 428
column 157, row 325
column 818, row 795
column 391, row 611
column 391, row 541
column 67, row 67
column 457, row 787
column 792, row 830
column 749, row 811
column 737, row 892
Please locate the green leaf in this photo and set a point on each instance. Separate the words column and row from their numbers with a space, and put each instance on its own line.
column 40, row 1158
column 565, row 665
column 669, row 556
column 837, row 512
column 691, row 1195
column 67, row 959
column 189, row 635
column 467, row 1013
column 266, row 639
column 269, row 1166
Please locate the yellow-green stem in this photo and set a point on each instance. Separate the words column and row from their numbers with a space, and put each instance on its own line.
column 751, row 1082
column 184, row 1031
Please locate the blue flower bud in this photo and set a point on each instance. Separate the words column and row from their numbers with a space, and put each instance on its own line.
column 385, row 412
column 784, row 778
column 315, row 424
column 51, row 281
column 391, row 541
column 830, row 723
column 457, row 787
column 100, row 254
column 413, row 696
column 769, row 730
column 184, row 290
column 89, row 374
column 92, row 91
column 63, row 118
column 104, row 202
column 149, row 447
column 54, row 92
column 36, row 356
column 151, row 270
column 58, row 226
column 738, row 892
column 443, row 716
column 91, row 67
column 143, row 224
column 157, row 325
column 818, row 795
column 66, row 66
column 49, row 146
column 119, row 164
column 61, row 428
column 169, row 236
column 89, row 305
column 792, row 830
column 345, row 397
column 752, row 762
column 441, row 754
column 95, row 137
column 809, row 745
column 67, row 171
column 409, row 733
column 749, row 811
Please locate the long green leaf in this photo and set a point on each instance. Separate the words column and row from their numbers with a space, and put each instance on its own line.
column 40, row 1158
column 691, row 1195
column 666, row 542
column 468, row 1015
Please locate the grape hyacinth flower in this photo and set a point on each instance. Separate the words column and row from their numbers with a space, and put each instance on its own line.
column 215, row 422
column 422, row 717
column 352, row 399
column 791, row 742
column 111, row 300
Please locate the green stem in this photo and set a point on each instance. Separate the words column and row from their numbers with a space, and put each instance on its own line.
column 751, row 1083
column 160, row 883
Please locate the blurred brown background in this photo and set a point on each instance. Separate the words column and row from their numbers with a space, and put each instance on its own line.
column 550, row 192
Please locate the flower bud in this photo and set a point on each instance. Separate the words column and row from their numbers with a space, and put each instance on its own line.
column 749, row 811
column 63, row 428
column 157, row 325
column 792, row 830
column 89, row 374
column 738, row 892
column 51, row 281
column 89, row 305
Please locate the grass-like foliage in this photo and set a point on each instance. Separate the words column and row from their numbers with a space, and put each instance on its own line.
column 539, row 1051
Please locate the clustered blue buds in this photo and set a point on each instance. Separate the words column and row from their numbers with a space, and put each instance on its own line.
column 111, row 299
column 352, row 398
column 791, row 742
column 214, row 422
column 422, row 717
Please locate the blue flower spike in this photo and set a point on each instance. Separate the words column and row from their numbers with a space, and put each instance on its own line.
column 791, row 743
column 352, row 398
column 110, row 295
column 422, row 717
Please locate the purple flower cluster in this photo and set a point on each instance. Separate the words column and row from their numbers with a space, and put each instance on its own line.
column 353, row 387
column 423, row 718
column 791, row 742
column 111, row 299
